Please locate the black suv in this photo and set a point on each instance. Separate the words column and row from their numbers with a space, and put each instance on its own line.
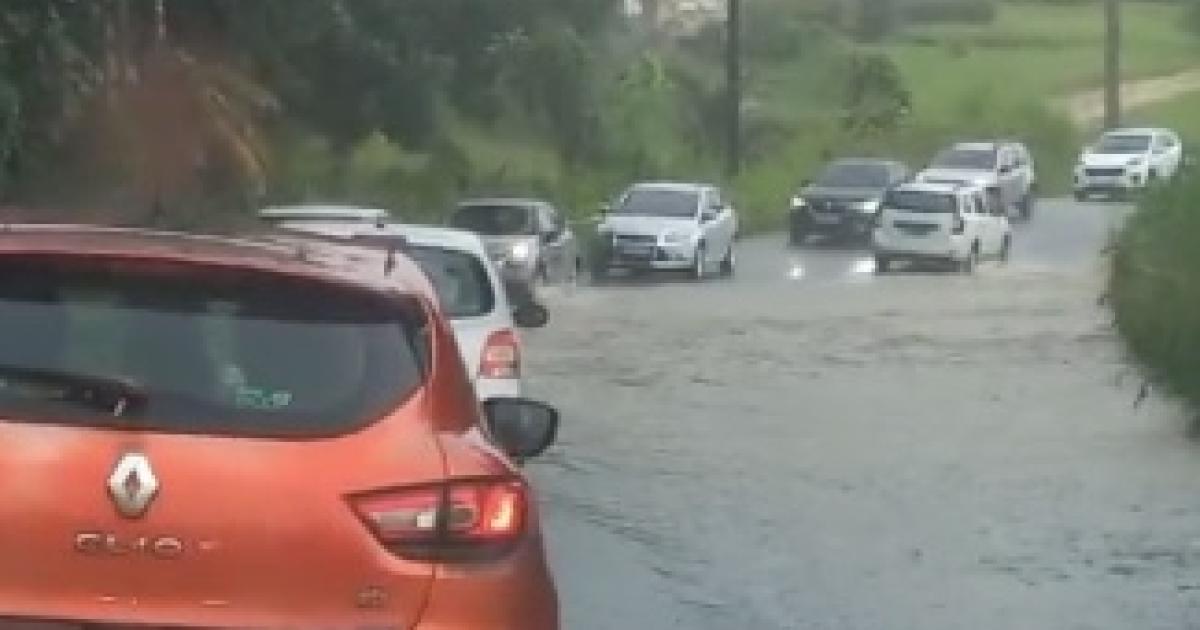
column 843, row 201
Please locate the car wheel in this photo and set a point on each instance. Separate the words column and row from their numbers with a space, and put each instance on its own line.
column 797, row 237
column 883, row 264
column 1005, row 248
column 729, row 262
column 1026, row 207
column 967, row 264
column 699, row 268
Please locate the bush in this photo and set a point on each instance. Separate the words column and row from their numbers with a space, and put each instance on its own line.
column 950, row 11
column 1155, row 286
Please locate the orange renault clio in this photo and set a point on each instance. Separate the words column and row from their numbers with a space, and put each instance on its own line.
column 204, row 432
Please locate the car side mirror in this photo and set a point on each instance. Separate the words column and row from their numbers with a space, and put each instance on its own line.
column 523, row 428
column 710, row 215
column 549, row 236
column 1006, row 169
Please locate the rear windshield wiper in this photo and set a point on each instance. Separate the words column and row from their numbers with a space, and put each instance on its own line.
column 116, row 396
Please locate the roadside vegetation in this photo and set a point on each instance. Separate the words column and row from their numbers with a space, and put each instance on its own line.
column 196, row 108
column 1155, row 286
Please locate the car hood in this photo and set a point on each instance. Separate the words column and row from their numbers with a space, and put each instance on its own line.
column 842, row 194
column 500, row 246
column 1109, row 159
column 937, row 175
column 646, row 225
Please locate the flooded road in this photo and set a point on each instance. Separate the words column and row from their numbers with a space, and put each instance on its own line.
column 809, row 445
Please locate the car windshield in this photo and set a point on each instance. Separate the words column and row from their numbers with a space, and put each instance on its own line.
column 854, row 175
column 965, row 159
column 462, row 284
column 495, row 220
column 1122, row 144
column 659, row 202
column 920, row 201
column 209, row 353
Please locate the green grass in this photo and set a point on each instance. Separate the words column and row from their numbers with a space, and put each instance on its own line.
column 1181, row 114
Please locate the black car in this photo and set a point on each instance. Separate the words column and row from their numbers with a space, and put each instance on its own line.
column 843, row 201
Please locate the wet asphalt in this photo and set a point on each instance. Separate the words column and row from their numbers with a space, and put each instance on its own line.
column 812, row 445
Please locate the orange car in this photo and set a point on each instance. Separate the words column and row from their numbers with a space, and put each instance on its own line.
column 209, row 432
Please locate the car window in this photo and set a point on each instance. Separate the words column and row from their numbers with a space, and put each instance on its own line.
column 921, row 201
column 232, row 354
column 462, row 283
column 665, row 202
column 1124, row 143
column 966, row 159
column 496, row 219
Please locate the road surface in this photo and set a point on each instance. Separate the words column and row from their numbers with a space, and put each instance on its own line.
column 810, row 445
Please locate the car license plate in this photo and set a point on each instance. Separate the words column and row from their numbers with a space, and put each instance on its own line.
column 635, row 251
column 827, row 219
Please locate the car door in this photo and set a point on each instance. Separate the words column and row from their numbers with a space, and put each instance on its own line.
column 568, row 245
column 728, row 220
column 973, row 218
column 1166, row 155
column 714, row 228
column 1026, row 177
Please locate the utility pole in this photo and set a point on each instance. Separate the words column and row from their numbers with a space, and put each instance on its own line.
column 1112, row 64
column 733, row 67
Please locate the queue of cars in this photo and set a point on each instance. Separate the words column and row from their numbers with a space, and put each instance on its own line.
column 958, row 210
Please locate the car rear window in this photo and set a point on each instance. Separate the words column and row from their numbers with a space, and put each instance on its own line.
column 495, row 220
column 920, row 201
column 225, row 353
column 459, row 278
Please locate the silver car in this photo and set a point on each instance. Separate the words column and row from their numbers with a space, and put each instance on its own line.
column 528, row 240
column 668, row 226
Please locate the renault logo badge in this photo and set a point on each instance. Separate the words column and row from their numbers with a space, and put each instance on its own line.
column 132, row 485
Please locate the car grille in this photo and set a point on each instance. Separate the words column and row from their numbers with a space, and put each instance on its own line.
column 828, row 206
column 635, row 239
column 1105, row 172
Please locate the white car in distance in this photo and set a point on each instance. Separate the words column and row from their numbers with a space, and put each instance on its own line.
column 471, row 292
column 943, row 223
column 1126, row 160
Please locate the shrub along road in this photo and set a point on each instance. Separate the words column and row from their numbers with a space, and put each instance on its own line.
column 809, row 445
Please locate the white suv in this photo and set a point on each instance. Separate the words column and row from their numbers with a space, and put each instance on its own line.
column 1005, row 169
column 956, row 224
column 1127, row 159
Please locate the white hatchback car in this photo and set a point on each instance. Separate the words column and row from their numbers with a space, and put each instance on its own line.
column 1124, row 160
column 471, row 292
column 941, row 223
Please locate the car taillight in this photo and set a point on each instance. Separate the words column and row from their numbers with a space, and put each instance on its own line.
column 960, row 225
column 455, row 521
column 501, row 356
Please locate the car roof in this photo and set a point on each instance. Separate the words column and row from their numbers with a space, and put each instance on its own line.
column 323, row 212
column 673, row 186
column 519, row 202
column 977, row 146
column 865, row 161
column 1138, row 131
column 420, row 235
column 283, row 253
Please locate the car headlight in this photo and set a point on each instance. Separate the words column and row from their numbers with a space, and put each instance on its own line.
column 520, row 251
column 868, row 206
column 676, row 238
column 798, row 202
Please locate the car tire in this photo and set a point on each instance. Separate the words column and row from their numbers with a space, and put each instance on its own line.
column 967, row 264
column 1026, row 207
column 699, row 268
column 797, row 237
column 1005, row 248
column 883, row 264
column 729, row 263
